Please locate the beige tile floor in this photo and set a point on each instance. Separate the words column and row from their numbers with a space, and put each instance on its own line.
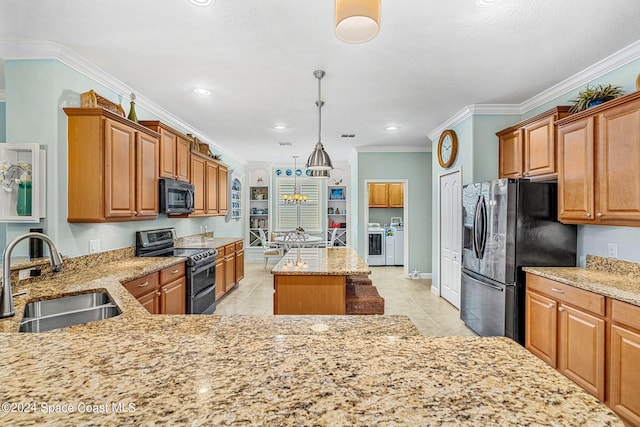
column 432, row 315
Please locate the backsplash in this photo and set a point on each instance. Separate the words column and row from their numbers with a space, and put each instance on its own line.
column 614, row 266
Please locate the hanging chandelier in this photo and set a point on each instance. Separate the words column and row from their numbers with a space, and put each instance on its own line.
column 296, row 198
column 319, row 159
column 357, row 21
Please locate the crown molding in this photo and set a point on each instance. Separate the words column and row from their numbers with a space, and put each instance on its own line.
column 612, row 62
column 34, row 50
column 392, row 149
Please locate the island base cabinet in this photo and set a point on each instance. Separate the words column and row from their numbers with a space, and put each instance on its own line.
column 150, row 301
column 173, row 297
column 310, row 294
column 581, row 349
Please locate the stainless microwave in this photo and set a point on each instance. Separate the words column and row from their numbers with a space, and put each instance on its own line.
column 176, row 197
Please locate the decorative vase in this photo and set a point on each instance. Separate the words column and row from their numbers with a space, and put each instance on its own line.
column 132, row 112
column 23, row 206
column 594, row 103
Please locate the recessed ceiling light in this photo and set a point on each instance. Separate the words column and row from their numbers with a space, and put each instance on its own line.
column 485, row 3
column 202, row 2
column 391, row 128
column 279, row 127
column 202, row 91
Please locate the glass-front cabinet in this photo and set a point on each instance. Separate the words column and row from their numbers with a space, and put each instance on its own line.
column 258, row 213
column 22, row 182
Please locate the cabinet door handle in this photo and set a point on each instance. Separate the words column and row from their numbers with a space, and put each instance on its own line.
column 526, row 174
column 599, row 214
column 175, row 271
column 550, row 305
column 560, row 308
column 142, row 285
column 560, row 291
column 588, row 214
column 159, row 294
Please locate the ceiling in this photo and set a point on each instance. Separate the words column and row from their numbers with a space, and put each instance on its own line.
column 257, row 57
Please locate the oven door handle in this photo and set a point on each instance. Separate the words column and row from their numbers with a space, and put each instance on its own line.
column 204, row 292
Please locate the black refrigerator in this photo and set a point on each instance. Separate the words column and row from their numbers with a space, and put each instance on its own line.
column 508, row 224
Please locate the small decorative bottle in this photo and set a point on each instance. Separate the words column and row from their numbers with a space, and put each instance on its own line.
column 132, row 112
column 23, row 207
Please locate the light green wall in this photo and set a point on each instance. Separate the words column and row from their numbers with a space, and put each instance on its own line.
column 3, row 122
column 36, row 92
column 416, row 168
column 383, row 215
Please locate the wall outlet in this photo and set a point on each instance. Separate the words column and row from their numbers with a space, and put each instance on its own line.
column 612, row 250
column 94, row 246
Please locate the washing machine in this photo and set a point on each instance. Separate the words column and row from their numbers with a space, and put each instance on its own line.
column 398, row 245
column 389, row 245
column 376, row 252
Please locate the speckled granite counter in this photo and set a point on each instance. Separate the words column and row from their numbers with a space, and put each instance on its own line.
column 203, row 241
column 612, row 278
column 321, row 261
column 139, row 369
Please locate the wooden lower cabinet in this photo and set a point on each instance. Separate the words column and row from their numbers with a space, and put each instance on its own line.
column 229, row 267
column 162, row 292
column 592, row 340
column 565, row 327
column 624, row 386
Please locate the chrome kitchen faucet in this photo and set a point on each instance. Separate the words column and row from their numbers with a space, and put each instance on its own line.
column 6, row 298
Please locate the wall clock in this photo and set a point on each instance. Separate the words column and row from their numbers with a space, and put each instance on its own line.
column 447, row 148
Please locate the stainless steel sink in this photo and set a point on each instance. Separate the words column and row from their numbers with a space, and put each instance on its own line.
column 41, row 316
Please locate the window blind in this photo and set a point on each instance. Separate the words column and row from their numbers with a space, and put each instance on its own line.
column 287, row 215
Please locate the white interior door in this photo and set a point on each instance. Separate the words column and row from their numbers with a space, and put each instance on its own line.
column 450, row 236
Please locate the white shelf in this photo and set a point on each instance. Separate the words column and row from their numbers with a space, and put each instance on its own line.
column 23, row 175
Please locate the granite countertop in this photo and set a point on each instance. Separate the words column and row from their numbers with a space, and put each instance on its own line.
column 321, row 261
column 143, row 369
column 203, row 241
column 612, row 278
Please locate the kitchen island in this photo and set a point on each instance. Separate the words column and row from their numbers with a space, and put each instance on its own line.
column 143, row 369
column 313, row 280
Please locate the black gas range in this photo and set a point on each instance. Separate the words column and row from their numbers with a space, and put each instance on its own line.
column 201, row 262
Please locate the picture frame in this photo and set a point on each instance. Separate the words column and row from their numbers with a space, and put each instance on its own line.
column 337, row 194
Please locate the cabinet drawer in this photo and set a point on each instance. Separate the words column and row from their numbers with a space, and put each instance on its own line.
column 172, row 273
column 239, row 245
column 229, row 249
column 628, row 314
column 143, row 285
column 221, row 252
column 567, row 293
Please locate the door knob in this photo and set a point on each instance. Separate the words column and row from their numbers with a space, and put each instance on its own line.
column 588, row 214
column 599, row 214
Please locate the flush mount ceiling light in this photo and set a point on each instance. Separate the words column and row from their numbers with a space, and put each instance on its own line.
column 392, row 128
column 202, row 2
column 279, row 127
column 357, row 21
column 486, row 3
column 202, row 91
column 319, row 159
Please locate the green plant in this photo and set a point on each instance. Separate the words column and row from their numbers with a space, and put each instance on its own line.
column 595, row 94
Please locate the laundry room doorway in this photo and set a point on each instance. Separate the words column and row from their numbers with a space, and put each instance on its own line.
column 386, row 227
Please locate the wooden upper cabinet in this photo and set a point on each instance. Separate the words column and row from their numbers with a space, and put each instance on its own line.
column 378, row 195
column 528, row 149
column 198, row 179
column 211, row 188
column 113, row 165
column 174, row 151
column 599, row 164
column 386, row 194
column 396, row 195
column 223, row 203
column 510, row 154
column 575, row 171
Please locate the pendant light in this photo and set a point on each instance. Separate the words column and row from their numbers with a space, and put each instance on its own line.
column 323, row 174
column 296, row 198
column 319, row 159
column 357, row 21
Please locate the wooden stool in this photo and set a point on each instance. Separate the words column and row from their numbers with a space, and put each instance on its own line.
column 363, row 299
